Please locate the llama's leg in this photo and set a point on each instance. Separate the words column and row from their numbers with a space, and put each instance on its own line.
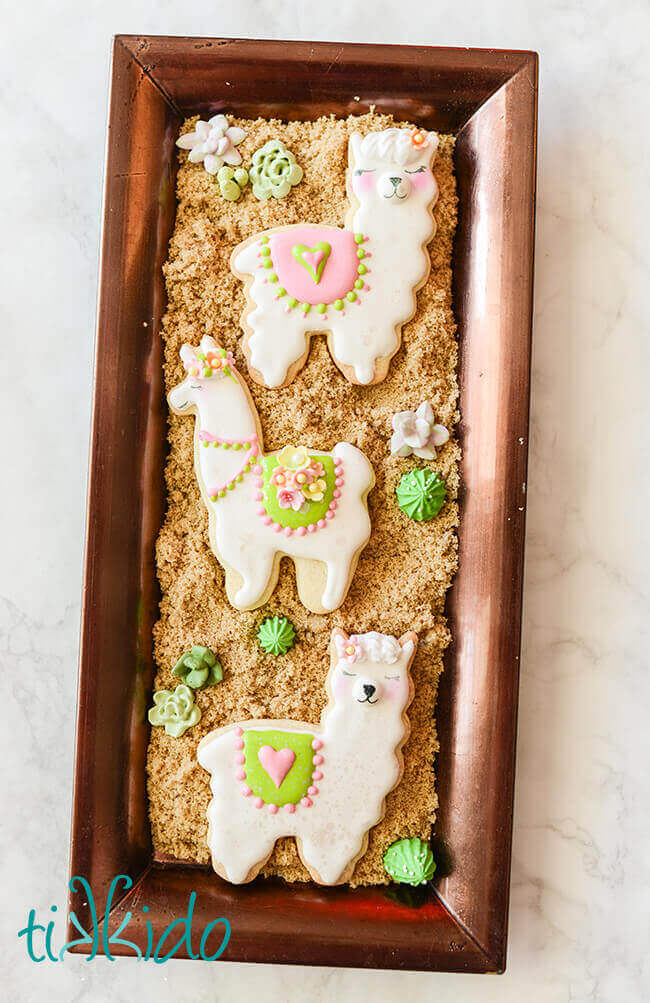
column 338, row 576
column 254, row 565
column 359, row 347
column 278, row 341
column 238, row 849
column 329, row 858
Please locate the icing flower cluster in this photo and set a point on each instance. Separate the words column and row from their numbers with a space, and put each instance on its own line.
column 213, row 143
column 415, row 432
column 372, row 647
column 298, row 479
column 207, row 364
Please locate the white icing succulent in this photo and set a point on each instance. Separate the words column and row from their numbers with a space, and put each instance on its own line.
column 213, row 142
column 415, row 432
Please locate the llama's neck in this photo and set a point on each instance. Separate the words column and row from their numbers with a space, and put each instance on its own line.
column 353, row 732
column 397, row 238
column 224, row 411
column 224, row 415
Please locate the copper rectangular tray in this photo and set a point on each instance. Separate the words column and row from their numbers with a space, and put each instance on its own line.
column 489, row 98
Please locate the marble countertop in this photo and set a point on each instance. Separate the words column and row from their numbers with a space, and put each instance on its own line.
column 581, row 867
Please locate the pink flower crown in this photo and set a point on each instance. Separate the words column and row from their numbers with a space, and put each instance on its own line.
column 215, row 362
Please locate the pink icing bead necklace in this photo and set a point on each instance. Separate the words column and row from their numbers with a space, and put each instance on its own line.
column 251, row 448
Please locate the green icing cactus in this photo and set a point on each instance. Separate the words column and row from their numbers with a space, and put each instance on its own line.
column 198, row 667
column 276, row 635
column 421, row 494
column 410, row 862
column 175, row 710
column 274, row 171
column 232, row 181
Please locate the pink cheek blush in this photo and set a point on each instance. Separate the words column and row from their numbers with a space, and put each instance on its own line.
column 422, row 180
column 396, row 690
column 339, row 686
column 363, row 183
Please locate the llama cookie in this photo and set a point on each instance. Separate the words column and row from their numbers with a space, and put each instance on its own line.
column 356, row 284
column 323, row 784
column 308, row 504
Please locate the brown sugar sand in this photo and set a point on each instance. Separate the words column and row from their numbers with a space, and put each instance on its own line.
column 406, row 568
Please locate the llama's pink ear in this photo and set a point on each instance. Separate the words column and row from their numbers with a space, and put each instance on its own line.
column 432, row 147
column 208, row 344
column 408, row 642
column 354, row 147
column 188, row 356
column 339, row 640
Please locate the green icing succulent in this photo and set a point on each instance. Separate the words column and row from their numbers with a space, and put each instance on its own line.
column 410, row 862
column 274, row 171
column 198, row 668
column 175, row 710
column 276, row 635
column 421, row 494
column 232, row 181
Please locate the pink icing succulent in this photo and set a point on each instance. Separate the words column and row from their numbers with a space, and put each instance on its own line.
column 415, row 432
column 213, row 142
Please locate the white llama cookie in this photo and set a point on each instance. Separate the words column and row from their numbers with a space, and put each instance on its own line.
column 306, row 503
column 357, row 284
column 324, row 784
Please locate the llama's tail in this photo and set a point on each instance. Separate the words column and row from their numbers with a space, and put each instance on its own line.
column 357, row 471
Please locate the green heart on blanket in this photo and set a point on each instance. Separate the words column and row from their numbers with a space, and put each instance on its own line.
column 313, row 259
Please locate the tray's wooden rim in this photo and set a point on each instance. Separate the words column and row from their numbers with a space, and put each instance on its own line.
column 443, row 936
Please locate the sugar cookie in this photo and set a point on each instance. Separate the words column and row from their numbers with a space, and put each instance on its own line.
column 357, row 284
column 324, row 784
column 308, row 504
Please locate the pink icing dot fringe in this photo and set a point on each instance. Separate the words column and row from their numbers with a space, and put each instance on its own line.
column 240, row 774
column 301, row 530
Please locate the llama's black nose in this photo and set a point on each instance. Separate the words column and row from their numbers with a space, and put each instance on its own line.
column 395, row 181
column 369, row 689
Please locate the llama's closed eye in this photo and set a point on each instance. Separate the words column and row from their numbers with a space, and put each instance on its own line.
column 360, row 170
column 193, row 387
column 348, row 673
column 392, row 677
column 419, row 170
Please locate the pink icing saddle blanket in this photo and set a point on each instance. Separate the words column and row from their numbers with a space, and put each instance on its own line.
column 315, row 264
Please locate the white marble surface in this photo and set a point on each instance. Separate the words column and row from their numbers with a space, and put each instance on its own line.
column 579, row 920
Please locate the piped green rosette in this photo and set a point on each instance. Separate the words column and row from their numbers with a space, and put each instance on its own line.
column 410, row 862
column 274, row 171
column 421, row 494
column 174, row 710
column 276, row 635
column 198, row 668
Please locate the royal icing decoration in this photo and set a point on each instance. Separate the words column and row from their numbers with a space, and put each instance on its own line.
column 357, row 284
column 410, row 862
column 308, row 504
column 232, row 181
column 213, row 143
column 274, row 171
column 198, row 668
column 276, row 635
column 415, row 432
column 421, row 494
column 174, row 710
column 324, row 784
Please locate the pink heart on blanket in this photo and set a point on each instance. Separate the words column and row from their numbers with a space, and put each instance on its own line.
column 276, row 762
column 313, row 258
